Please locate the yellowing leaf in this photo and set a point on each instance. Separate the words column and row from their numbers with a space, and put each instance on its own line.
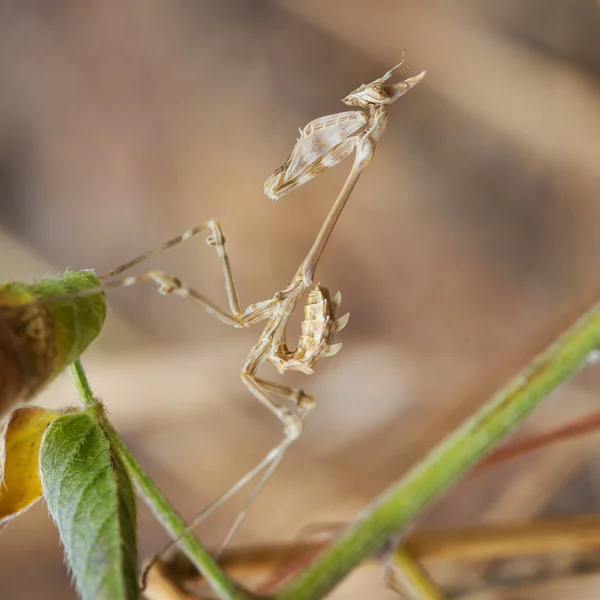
column 20, row 440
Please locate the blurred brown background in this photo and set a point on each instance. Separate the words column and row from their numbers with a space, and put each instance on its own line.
column 469, row 243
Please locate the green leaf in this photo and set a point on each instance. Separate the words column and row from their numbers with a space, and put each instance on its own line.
column 91, row 498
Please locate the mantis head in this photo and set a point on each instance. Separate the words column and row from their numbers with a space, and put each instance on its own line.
column 378, row 93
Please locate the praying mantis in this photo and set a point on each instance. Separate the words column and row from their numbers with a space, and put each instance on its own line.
column 322, row 144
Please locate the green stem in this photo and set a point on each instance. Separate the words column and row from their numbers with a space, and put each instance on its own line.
column 82, row 384
column 397, row 506
column 160, row 506
column 412, row 577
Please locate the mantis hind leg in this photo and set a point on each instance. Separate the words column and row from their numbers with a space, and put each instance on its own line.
column 292, row 421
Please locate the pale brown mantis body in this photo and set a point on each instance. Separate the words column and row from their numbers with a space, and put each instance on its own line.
column 323, row 143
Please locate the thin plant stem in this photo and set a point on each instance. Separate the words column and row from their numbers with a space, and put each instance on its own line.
column 413, row 579
column 443, row 466
column 575, row 429
column 160, row 506
column 82, row 384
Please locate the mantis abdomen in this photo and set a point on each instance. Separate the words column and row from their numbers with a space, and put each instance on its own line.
column 318, row 330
